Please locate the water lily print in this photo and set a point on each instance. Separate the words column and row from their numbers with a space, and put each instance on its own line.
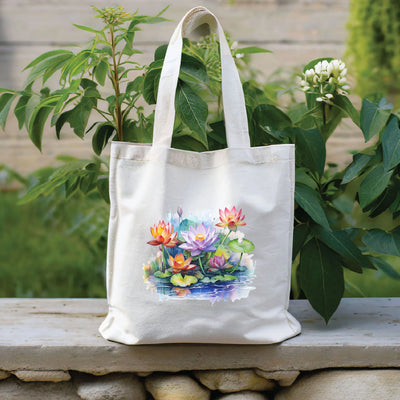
column 201, row 258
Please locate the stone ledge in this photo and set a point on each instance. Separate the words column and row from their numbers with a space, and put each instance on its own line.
column 61, row 335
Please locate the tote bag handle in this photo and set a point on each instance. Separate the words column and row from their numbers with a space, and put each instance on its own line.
column 237, row 133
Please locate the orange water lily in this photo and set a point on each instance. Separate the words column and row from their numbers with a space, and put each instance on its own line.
column 231, row 218
column 164, row 235
column 179, row 264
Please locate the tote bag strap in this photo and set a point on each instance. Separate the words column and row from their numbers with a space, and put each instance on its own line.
column 236, row 126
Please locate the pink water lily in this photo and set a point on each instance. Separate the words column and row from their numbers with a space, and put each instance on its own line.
column 199, row 239
column 230, row 218
column 217, row 263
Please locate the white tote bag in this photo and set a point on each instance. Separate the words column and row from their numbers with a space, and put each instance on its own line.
column 199, row 247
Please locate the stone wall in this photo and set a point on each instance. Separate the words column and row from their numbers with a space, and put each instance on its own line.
column 243, row 384
column 51, row 350
column 295, row 30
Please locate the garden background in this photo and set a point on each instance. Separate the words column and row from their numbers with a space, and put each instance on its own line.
column 41, row 253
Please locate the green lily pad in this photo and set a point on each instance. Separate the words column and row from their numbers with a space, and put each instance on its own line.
column 245, row 247
column 225, row 278
column 199, row 275
column 183, row 281
column 205, row 280
column 159, row 274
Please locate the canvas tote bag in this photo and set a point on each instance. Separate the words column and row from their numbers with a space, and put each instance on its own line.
column 199, row 247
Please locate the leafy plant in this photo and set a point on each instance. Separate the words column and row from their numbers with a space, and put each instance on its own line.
column 326, row 239
column 373, row 45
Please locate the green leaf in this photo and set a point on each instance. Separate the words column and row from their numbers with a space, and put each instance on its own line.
column 300, row 234
column 138, row 131
column 383, row 202
column 314, row 62
column 341, row 243
column 57, row 63
column 187, row 142
column 101, row 137
column 335, row 115
column 373, row 118
column 271, row 118
column 57, row 178
column 245, row 247
column 20, row 110
column 193, row 111
column 160, row 52
column 46, row 55
column 36, row 124
column 254, row 96
column 135, row 85
column 103, row 188
column 78, row 65
column 100, row 72
column 88, row 29
column 78, row 117
column 310, row 149
column 217, row 136
column 252, row 50
column 150, row 83
column 385, row 267
column 192, row 70
column 374, row 183
column 391, row 144
column 347, row 107
column 321, row 278
column 383, row 242
column 48, row 66
column 6, row 100
column 3, row 90
column 303, row 176
column 359, row 163
column 310, row 201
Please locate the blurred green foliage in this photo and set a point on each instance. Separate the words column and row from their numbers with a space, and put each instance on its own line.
column 38, row 255
column 373, row 46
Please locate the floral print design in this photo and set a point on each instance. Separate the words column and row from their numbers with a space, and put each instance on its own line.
column 201, row 259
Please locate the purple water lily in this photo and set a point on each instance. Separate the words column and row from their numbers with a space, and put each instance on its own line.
column 199, row 239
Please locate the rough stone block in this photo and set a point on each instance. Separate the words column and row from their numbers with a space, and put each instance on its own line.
column 42, row 376
column 345, row 385
column 110, row 387
column 284, row 378
column 246, row 395
column 227, row 381
column 143, row 374
column 4, row 375
column 175, row 387
column 12, row 389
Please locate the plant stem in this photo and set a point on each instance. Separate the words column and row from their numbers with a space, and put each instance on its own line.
column 118, row 114
column 235, row 268
column 201, row 265
column 164, row 261
column 223, row 240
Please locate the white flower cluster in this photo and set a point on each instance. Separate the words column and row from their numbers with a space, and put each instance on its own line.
column 326, row 79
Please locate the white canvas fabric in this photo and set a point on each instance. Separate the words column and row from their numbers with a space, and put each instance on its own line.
column 215, row 267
